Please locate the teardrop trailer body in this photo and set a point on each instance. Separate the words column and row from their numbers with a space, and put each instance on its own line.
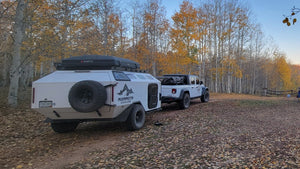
column 96, row 88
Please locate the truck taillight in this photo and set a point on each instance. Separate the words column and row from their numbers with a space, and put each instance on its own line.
column 173, row 91
column 33, row 94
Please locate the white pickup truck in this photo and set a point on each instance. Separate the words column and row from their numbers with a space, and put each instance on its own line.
column 182, row 88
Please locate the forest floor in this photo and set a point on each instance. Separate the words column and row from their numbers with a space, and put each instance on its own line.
column 230, row 131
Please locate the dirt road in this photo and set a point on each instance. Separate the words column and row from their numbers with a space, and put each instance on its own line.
column 229, row 131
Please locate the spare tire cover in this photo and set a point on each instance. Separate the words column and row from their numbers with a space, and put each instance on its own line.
column 87, row 96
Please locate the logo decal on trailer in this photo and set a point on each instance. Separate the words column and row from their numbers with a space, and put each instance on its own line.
column 125, row 92
column 125, row 88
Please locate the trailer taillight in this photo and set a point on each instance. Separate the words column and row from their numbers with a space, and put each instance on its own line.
column 33, row 94
column 173, row 91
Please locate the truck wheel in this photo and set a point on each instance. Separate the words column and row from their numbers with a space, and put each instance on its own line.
column 205, row 97
column 64, row 127
column 136, row 118
column 185, row 102
column 87, row 96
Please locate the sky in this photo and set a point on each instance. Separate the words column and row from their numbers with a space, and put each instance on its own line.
column 269, row 15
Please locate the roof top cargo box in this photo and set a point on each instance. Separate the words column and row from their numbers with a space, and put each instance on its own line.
column 97, row 62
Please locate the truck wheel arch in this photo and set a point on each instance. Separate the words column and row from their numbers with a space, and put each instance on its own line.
column 205, row 96
column 185, row 99
column 183, row 91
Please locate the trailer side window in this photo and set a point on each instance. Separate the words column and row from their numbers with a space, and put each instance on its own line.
column 120, row 76
column 131, row 76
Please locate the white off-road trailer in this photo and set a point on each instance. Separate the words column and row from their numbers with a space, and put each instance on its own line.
column 92, row 88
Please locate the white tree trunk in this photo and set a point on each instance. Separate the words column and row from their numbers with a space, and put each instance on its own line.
column 19, row 31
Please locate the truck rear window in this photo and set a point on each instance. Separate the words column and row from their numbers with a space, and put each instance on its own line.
column 174, row 80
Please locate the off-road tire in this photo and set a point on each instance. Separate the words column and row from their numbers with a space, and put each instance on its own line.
column 87, row 96
column 205, row 97
column 185, row 102
column 64, row 127
column 136, row 118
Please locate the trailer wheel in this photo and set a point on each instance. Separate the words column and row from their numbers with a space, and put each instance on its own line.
column 64, row 127
column 185, row 102
column 136, row 118
column 87, row 96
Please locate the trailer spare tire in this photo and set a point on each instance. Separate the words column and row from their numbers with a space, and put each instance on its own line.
column 87, row 96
